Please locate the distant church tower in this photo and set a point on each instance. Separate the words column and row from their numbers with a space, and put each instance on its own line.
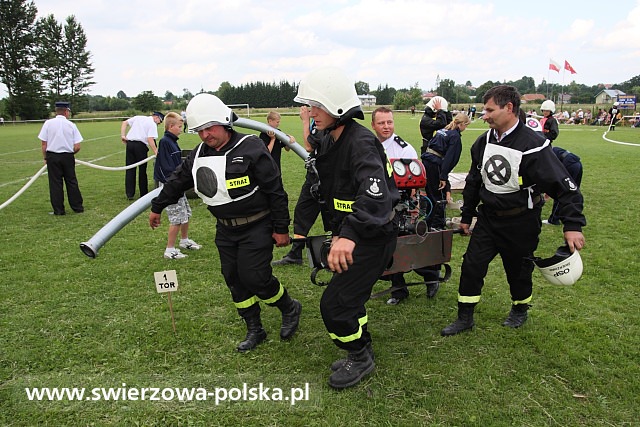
column 437, row 82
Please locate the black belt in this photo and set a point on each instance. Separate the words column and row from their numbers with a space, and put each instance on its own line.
column 235, row 222
column 516, row 211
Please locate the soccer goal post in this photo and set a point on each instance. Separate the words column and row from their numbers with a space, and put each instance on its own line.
column 240, row 106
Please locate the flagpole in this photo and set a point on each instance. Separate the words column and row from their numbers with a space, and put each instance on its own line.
column 564, row 69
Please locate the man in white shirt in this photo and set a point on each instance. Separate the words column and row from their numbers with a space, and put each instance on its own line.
column 396, row 148
column 60, row 141
column 141, row 136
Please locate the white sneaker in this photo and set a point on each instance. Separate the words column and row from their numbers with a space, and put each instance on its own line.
column 174, row 254
column 189, row 244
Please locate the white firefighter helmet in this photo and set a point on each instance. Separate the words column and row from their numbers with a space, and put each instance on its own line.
column 443, row 103
column 548, row 105
column 205, row 110
column 328, row 88
column 563, row 268
column 615, row 104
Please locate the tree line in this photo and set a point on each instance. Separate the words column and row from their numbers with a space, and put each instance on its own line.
column 41, row 60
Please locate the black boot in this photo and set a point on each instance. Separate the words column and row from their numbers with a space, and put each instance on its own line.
column 358, row 364
column 517, row 316
column 290, row 318
column 340, row 362
column 293, row 257
column 463, row 322
column 432, row 289
column 255, row 334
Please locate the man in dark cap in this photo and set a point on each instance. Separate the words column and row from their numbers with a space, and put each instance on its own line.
column 60, row 141
column 141, row 136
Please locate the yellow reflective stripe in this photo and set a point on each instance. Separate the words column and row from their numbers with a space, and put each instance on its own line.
column 352, row 337
column 276, row 297
column 524, row 301
column 247, row 303
column 389, row 168
column 237, row 182
column 342, row 205
column 469, row 300
column 254, row 299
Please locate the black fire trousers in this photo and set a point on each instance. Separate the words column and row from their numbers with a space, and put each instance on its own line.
column 245, row 258
column 135, row 152
column 61, row 169
column 343, row 302
column 515, row 239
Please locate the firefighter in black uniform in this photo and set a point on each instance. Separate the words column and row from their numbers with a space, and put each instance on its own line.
column 511, row 165
column 436, row 116
column 357, row 187
column 235, row 175
column 307, row 208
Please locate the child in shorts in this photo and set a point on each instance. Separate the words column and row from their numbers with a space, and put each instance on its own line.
column 168, row 158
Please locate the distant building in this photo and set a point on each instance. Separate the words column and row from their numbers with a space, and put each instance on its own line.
column 608, row 96
column 532, row 97
column 426, row 96
column 367, row 100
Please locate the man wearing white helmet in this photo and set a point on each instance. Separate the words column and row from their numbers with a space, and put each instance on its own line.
column 548, row 122
column 436, row 116
column 613, row 114
column 359, row 194
column 235, row 175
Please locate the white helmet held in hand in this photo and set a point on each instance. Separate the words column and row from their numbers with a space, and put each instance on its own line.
column 330, row 89
column 563, row 268
column 205, row 110
column 443, row 103
column 548, row 105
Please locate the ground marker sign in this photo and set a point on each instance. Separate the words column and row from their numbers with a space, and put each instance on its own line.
column 167, row 282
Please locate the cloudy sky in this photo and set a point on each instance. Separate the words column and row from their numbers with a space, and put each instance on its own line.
column 161, row 45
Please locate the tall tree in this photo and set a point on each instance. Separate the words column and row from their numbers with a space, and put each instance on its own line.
column 49, row 56
column 446, row 89
column 17, row 68
column 362, row 88
column 78, row 68
column 146, row 101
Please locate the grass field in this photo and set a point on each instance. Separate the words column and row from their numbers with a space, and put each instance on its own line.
column 70, row 321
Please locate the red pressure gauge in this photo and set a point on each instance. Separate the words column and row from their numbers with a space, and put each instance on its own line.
column 408, row 173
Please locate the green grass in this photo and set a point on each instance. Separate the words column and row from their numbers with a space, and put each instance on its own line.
column 70, row 321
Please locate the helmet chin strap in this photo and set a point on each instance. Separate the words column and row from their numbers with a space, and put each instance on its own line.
column 353, row 113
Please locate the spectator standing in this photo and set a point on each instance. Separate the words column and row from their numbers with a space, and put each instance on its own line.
column 183, row 114
column 60, row 142
column 440, row 157
column 168, row 159
column 549, row 123
column 269, row 138
column 395, row 147
column 142, row 135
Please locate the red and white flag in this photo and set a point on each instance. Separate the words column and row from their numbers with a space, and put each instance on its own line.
column 553, row 65
column 568, row 67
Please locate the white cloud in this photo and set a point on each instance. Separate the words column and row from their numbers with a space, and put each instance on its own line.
column 138, row 45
